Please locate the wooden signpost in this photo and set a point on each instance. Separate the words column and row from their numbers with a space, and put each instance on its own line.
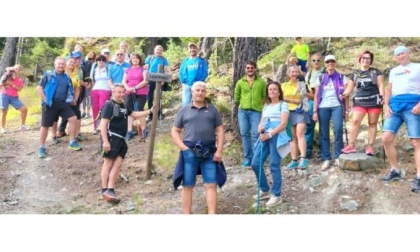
column 160, row 78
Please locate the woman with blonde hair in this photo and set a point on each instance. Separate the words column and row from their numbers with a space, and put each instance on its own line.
column 10, row 85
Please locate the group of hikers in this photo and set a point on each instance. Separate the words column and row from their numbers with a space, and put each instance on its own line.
column 274, row 119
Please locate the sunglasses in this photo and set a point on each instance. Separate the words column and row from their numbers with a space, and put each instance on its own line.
column 330, row 61
column 316, row 60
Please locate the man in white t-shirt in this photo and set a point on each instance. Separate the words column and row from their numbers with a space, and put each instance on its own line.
column 402, row 105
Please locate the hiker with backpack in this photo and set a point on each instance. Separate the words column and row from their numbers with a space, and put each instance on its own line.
column 368, row 83
column 301, row 51
column 296, row 95
column 57, row 95
column 113, row 129
column 330, row 106
column 193, row 68
column 135, row 98
column 152, row 63
column 101, row 90
column 310, row 79
column 402, row 105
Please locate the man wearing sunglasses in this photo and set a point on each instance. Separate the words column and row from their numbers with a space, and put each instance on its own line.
column 116, row 71
column 310, row 79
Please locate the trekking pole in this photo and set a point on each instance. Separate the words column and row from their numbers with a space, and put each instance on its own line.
column 382, row 129
column 344, row 122
column 259, row 177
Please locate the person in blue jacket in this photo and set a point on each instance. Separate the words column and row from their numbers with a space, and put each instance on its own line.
column 193, row 68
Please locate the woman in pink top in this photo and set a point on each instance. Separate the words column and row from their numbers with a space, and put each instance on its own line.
column 10, row 85
column 136, row 87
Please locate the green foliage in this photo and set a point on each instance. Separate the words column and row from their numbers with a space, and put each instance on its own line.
column 278, row 55
column 223, row 105
column 166, row 153
column 175, row 52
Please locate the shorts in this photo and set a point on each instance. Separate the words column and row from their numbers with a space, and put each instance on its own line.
column 296, row 118
column 118, row 148
column 367, row 110
column 129, row 102
column 412, row 121
column 191, row 166
column 57, row 109
column 302, row 64
column 14, row 101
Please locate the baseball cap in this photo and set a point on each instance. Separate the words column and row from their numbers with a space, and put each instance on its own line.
column 105, row 50
column 400, row 49
column 192, row 44
column 76, row 55
column 329, row 57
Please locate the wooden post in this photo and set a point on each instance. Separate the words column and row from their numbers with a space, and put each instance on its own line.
column 156, row 103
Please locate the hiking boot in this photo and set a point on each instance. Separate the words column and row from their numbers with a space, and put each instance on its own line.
column 3, row 130
column 246, row 163
column 415, row 186
column 274, row 200
column 74, row 145
column 42, row 152
column 292, row 165
column 393, row 175
column 369, row 151
column 87, row 116
column 83, row 115
column 325, row 165
column 349, row 149
column 55, row 140
column 110, row 196
column 23, row 127
column 263, row 195
column 61, row 134
column 303, row 164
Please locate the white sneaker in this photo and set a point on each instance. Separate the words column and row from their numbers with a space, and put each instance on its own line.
column 325, row 165
column 274, row 200
column 3, row 130
column 263, row 195
column 95, row 132
column 24, row 127
column 337, row 162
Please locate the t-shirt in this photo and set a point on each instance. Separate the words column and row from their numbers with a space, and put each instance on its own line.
column 60, row 94
column 10, row 91
column 405, row 79
column 301, row 51
column 118, row 123
column 314, row 74
column 154, row 65
column 133, row 77
column 291, row 91
column 329, row 97
column 274, row 111
column 101, row 79
column 198, row 123
column 364, row 84
column 116, row 72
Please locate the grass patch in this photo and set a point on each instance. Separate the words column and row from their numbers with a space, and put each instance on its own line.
column 166, row 152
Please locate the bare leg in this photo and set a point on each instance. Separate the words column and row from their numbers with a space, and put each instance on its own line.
column 106, row 167
column 3, row 117
column 72, row 127
column 373, row 127
column 186, row 197
column 115, row 171
column 300, row 133
column 355, row 126
column 43, row 135
column 416, row 145
column 23, row 113
column 391, row 152
column 294, row 144
column 211, row 197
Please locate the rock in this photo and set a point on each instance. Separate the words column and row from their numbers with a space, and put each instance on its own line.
column 149, row 182
column 350, row 205
column 131, row 207
column 316, row 181
column 359, row 162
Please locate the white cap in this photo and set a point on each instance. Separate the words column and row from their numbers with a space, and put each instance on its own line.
column 329, row 57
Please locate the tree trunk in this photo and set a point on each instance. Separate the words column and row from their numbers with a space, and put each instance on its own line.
column 206, row 46
column 9, row 54
column 151, row 43
column 245, row 49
